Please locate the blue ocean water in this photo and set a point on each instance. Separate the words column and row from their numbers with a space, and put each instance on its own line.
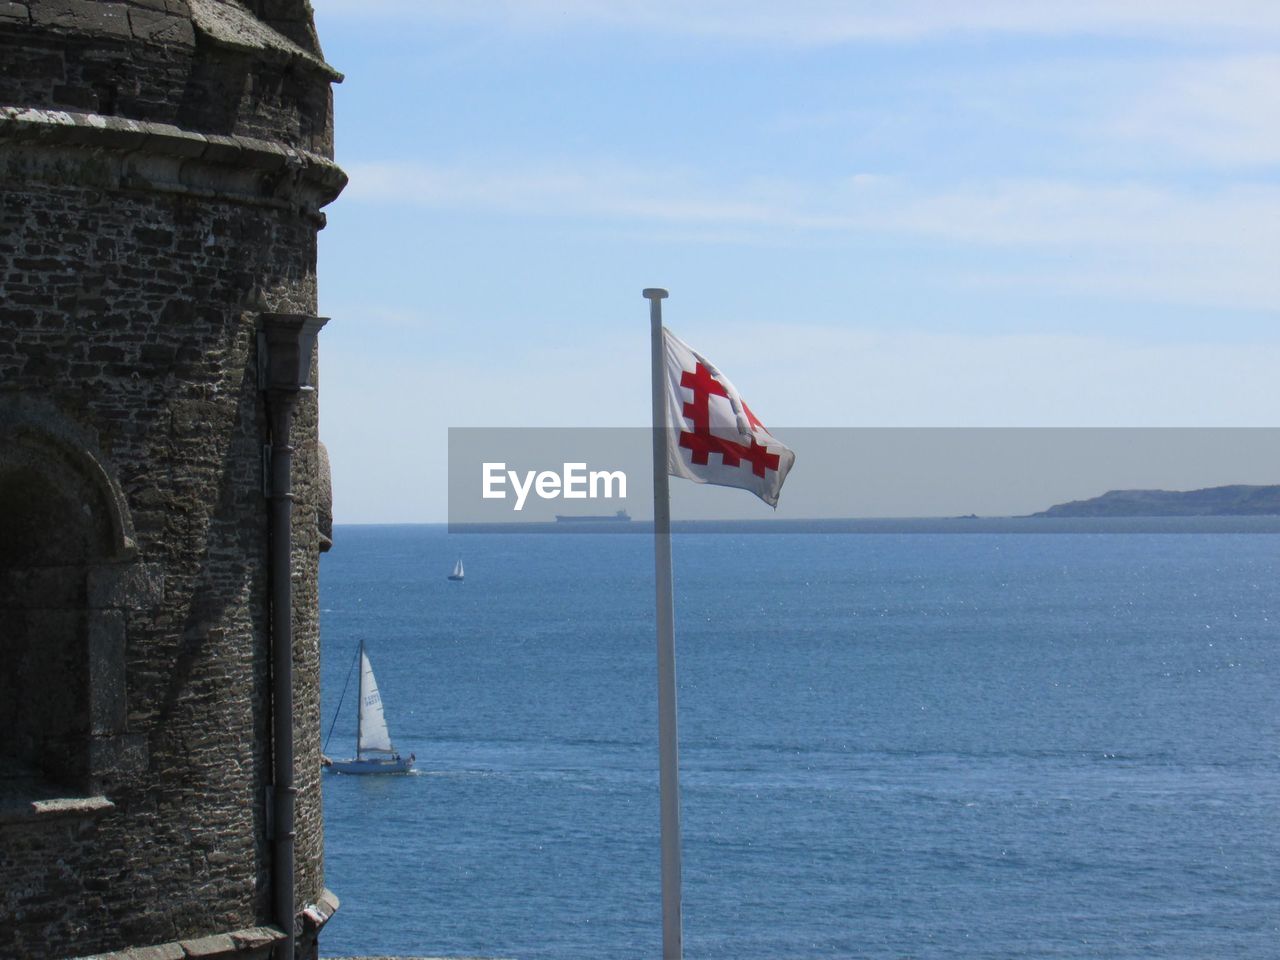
column 968, row 746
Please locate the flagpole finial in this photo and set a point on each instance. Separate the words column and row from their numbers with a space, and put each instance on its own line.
column 654, row 293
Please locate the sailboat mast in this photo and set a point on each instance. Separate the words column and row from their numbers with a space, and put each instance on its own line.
column 360, row 705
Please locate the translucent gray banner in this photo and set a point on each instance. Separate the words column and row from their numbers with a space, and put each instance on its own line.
column 869, row 480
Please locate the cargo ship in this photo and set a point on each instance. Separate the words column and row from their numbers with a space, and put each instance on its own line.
column 620, row 517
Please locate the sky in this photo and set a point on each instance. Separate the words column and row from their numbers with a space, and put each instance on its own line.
column 911, row 214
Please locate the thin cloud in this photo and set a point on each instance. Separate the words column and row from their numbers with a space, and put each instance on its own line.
column 1106, row 216
column 917, row 378
column 998, row 212
column 1180, row 245
column 1223, row 112
column 820, row 22
column 594, row 191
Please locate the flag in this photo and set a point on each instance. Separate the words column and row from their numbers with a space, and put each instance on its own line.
column 712, row 436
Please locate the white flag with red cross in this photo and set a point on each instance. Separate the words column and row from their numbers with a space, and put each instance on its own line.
column 713, row 436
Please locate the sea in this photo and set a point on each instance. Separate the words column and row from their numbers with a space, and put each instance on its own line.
column 992, row 743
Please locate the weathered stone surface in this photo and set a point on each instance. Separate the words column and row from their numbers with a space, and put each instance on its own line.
column 89, row 16
column 125, row 586
column 218, row 945
column 152, row 205
column 160, row 157
column 166, row 951
column 251, row 943
column 256, row 938
column 121, row 757
column 158, row 25
column 146, row 65
column 74, row 807
column 233, row 26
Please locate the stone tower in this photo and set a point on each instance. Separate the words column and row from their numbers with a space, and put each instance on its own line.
column 163, row 165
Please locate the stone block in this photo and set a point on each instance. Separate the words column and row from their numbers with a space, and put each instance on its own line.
column 217, row 945
column 222, row 149
column 257, row 938
column 87, row 16
column 15, row 11
column 160, row 26
column 261, row 154
column 173, row 141
column 163, row 951
column 72, row 807
column 176, row 8
column 115, row 133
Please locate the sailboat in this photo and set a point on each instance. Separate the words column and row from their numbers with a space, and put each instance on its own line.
column 374, row 752
column 457, row 571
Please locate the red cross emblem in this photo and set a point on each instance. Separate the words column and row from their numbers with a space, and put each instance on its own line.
column 701, row 442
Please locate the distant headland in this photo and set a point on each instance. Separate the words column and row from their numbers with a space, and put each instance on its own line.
column 1237, row 500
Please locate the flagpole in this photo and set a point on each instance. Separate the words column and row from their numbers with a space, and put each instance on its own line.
column 668, row 758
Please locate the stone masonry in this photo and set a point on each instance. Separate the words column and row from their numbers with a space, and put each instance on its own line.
column 163, row 165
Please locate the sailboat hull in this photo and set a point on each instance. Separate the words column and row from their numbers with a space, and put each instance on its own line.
column 369, row 765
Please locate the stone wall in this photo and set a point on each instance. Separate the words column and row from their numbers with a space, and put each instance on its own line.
column 162, row 169
column 203, row 65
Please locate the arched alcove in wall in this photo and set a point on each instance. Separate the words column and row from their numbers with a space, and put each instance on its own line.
column 63, row 525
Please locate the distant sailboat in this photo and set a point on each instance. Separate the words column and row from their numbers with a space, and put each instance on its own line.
column 457, row 571
column 374, row 752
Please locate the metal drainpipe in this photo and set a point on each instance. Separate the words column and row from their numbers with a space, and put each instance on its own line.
column 285, row 346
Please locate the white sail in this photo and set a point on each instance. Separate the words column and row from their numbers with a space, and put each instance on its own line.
column 374, row 737
column 457, row 569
